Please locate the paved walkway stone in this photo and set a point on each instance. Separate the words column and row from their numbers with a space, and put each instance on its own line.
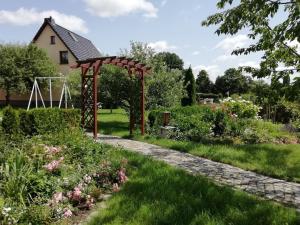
column 270, row 188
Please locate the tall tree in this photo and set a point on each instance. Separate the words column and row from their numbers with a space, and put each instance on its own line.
column 171, row 60
column 19, row 65
column 190, row 85
column 278, row 39
column 233, row 82
column 203, row 83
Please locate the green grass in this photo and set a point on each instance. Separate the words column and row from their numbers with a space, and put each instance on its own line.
column 159, row 194
column 115, row 123
column 281, row 161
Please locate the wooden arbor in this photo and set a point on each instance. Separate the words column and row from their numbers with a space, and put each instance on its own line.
column 90, row 69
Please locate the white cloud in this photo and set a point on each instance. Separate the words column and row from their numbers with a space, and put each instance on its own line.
column 213, row 70
column 161, row 46
column 230, row 43
column 24, row 17
column 196, row 53
column 115, row 8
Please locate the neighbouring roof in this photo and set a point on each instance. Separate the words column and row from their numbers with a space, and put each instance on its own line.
column 79, row 46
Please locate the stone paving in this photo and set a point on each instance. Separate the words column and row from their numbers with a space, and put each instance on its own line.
column 267, row 187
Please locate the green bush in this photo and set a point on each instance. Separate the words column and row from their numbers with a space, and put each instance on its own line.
column 10, row 121
column 27, row 122
column 39, row 121
column 202, row 123
column 193, row 122
column 241, row 108
column 37, row 214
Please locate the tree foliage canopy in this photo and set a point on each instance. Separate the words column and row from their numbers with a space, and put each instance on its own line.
column 203, row 83
column 171, row 60
column 278, row 40
column 190, row 85
column 233, row 82
column 20, row 64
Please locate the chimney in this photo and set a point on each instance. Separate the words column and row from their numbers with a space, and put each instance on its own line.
column 50, row 20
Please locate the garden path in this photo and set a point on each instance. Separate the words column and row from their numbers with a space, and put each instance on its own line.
column 267, row 187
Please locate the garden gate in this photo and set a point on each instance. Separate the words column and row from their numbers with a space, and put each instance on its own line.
column 90, row 69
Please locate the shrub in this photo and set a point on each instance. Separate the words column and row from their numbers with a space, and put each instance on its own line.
column 201, row 123
column 193, row 122
column 10, row 121
column 241, row 108
column 27, row 122
column 39, row 121
column 220, row 123
column 37, row 214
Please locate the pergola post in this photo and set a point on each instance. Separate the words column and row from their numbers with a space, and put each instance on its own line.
column 84, row 71
column 131, row 119
column 142, row 103
column 96, row 70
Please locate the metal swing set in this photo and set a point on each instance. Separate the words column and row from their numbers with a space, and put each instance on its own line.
column 36, row 93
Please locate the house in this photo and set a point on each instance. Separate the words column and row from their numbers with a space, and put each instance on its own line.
column 64, row 48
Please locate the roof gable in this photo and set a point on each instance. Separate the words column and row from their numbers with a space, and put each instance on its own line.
column 79, row 46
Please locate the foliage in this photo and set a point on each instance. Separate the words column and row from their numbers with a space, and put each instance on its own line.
column 190, row 86
column 287, row 112
column 164, row 89
column 276, row 38
column 74, row 84
column 236, row 121
column 39, row 121
column 19, row 65
column 10, row 121
column 241, row 108
column 114, row 86
column 233, row 82
column 203, row 83
column 171, row 60
column 49, row 177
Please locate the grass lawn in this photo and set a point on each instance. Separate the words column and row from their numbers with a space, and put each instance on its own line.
column 115, row 123
column 282, row 161
column 159, row 194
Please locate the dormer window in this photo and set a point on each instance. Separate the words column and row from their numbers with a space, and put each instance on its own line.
column 64, row 59
column 52, row 40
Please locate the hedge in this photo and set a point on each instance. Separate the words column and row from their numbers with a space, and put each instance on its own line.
column 39, row 121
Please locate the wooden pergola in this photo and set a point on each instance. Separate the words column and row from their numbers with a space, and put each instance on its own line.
column 90, row 69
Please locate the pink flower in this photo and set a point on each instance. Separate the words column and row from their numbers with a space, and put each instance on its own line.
column 122, row 176
column 52, row 150
column 116, row 187
column 67, row 213
column 54, row 164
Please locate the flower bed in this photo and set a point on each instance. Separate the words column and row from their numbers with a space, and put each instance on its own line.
column 54, row 177
column 232, row 121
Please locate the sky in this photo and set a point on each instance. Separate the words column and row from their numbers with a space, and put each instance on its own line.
column 166, row 25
